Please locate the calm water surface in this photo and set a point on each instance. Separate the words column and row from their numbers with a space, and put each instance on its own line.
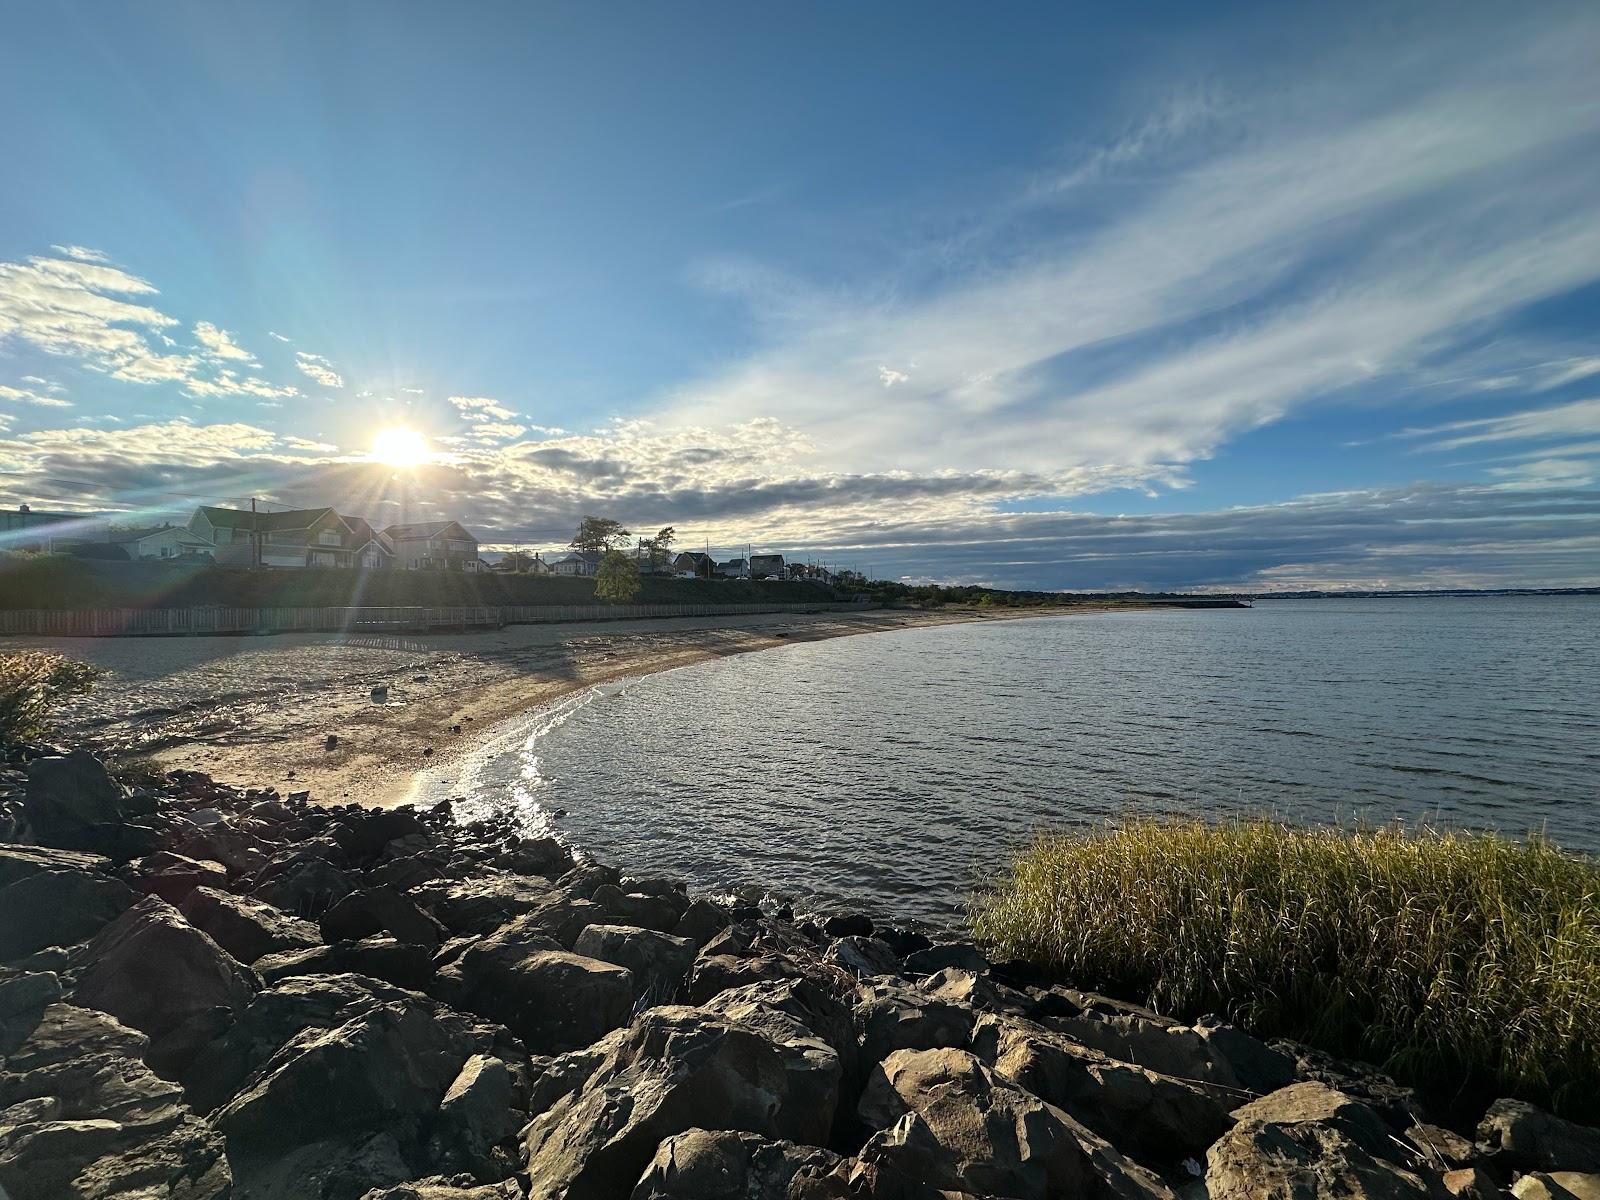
column 891, row 770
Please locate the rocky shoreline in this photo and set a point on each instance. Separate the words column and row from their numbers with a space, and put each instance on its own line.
column 211, row 992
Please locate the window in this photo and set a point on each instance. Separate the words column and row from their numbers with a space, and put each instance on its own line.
column 329, row 537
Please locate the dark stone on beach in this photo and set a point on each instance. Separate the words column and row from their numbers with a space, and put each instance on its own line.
column 330, row 742
column 552, row 999
column 439, row 1187
column 377, row 910
column 307, row 889
column 701, row 922
column 951, row 954
column 1218, row 1054
column 892, row 1016
column 704, row 1164
column 660, row 911
column 1518, row 1135
column 84, row 1117
column 155, row 972
column 404, row 964
column 57, row 908
column 72, row 802
column 363, row 833
column 863, row 956
column 477, row 1114
column 714, row 973
column 246, row 928
column 173, row 876
column 659, row 962
column 483, row 904
column 903, row 941
column 848, row 925
column 543, row 856
column 18, row 862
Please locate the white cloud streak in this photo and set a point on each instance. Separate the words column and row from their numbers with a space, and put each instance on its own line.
column 318, row 369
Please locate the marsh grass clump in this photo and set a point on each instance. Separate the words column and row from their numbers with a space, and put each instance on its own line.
column 1459, row 962
column 31, row 684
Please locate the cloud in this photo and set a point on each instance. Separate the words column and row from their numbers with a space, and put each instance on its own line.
column 1577, row 418
column 891, row 377
column 497, row 431
column 82, row 253
column 318, row 369
column 278, row 336
column 219, row 344
column 481, row 408
column 24, row 396
column 413, row 391
column 228, row 383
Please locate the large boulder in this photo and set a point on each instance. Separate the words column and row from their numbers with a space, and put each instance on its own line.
column 438, row 1187
column 57, row 908
column 704, row 1164
column 1216, row 1054
column 403, row 963
column 972, row 1131
column 890, row 1017
column 154, row 971
column 71, row 801
column 306, row 889
column 1308, row 1141
column 659, row 909
column 1157, row 1117
column 659, row 961
column 18, row 862
column 375, row 910
column 483, row 903
column 672, row 1070
column 173, row 876
column 1557, row 1185
column 1529, row 1139
column 863, row 956
column 479, row 1111
column 82, row 1116
column 246, row 928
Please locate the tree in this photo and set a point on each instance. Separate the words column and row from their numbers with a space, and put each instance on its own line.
column 517, row 560
column 617, row 581
column 658, row 550
column 598, row 534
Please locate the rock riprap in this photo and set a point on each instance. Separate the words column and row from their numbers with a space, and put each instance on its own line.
column 209, row 993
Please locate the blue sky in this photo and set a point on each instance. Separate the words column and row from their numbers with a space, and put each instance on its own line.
column 1053, row 296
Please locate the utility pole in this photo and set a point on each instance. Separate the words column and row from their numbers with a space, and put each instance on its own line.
column 255, row 534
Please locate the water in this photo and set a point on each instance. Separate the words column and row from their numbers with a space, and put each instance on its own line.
column 891, row 770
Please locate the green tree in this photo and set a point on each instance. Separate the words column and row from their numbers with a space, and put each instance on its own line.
column 617, row 581
column 517, row 560
column 598, row 534
column 31, row 684
column 658, row 550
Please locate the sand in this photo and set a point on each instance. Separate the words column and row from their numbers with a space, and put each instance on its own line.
column 256, row 711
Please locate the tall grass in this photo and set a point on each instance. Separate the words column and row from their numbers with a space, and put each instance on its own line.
column 1454, row 960
column 31, row 684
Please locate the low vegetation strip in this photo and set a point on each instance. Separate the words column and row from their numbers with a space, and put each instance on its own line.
column 1457, row 961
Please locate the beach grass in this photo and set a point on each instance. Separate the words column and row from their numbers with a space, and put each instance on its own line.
column 1458, row 962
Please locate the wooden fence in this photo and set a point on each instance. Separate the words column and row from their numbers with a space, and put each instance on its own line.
column 195, row 622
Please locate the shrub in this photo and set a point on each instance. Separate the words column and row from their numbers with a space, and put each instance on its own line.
column 617, row 580
column 30, row 686
column 1456, row 961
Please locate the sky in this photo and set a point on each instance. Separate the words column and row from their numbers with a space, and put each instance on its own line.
column 1059, row 296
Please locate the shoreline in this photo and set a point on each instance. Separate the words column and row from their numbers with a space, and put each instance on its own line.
column 248, row 713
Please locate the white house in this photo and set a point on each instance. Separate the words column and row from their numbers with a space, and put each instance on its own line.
column 298, row 537
column 167, row 541
column 433, row 546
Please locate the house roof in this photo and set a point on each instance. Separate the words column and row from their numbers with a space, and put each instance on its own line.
column 427, row 529
column 266, row 522
column 766, row 558
column 732, row 562
column 122, row 536
column 698, row 555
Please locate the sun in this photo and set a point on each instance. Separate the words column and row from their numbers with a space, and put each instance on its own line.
column 400, row 447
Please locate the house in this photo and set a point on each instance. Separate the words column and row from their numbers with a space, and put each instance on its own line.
column 693, row 562
column 433, row 546
column 734, row 568
column 25, row 528
column 766, row 566
column 584, row 562
column 297, row 537
column 369, row 549
column 172, row 542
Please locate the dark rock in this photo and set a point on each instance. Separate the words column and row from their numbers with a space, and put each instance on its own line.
column 478, row 1112
column 660, row 912
column 903, row 941
column 484, row 903
column 537, row 856
column 978, row 992
column 703, row 1164
column 714, row 973
column 154, row 971
column 1557, row 1185
column 173, row 876
column 552, row 999
column 18, row 862
column 1218, row 1054
column 307, row 889
column 863, row 956
column 701, row 922
column 1440, row 1147
column 246, row 928
column 674, row 1069
column 73, row 802
column 437, row 1187
column 848, row 925
column 374, row 910
column 952, row 954
column 659, row 961
column 1529, row 1139
column 894, row 1017
column 1471, row 1183
column 404, row 964
column 57, row 908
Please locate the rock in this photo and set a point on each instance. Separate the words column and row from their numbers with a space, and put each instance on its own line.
column 404, row 964
column 18, row 862
column 980, row 992
column 437, row 1187
column 154, row 971
column 843, row 925
column 894, row 1017
column 57, row 908
column 246, row 928
column 484, row 903
column 382, row 909
column 552, row 999
column 478, row 1112
column 331, row 1169
column 362, row 833
column 1440, row 1146
column 959, row 955
column 1218, row 1054
column 975, row 1132
column 863, row 956
column 659, row 961
column 306, row 889
column 72, row 802
column 701, row 922
column 1159, row 1118
column 1307, row 1141
column 660, row 912
column 174, row 876
column 82, row 1116
column 381, row 1073
column 1530, row 1139
column 714, row 973
column 1471, row 1183
column 543, row 856
column 1557, row 1185
column 674, row 1069
column 703, row 1164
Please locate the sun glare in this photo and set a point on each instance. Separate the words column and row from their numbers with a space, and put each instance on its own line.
column 400, row 447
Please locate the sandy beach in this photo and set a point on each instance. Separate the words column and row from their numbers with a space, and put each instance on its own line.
column 256, row 711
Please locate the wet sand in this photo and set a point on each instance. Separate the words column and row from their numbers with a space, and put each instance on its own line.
column 256, row 711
